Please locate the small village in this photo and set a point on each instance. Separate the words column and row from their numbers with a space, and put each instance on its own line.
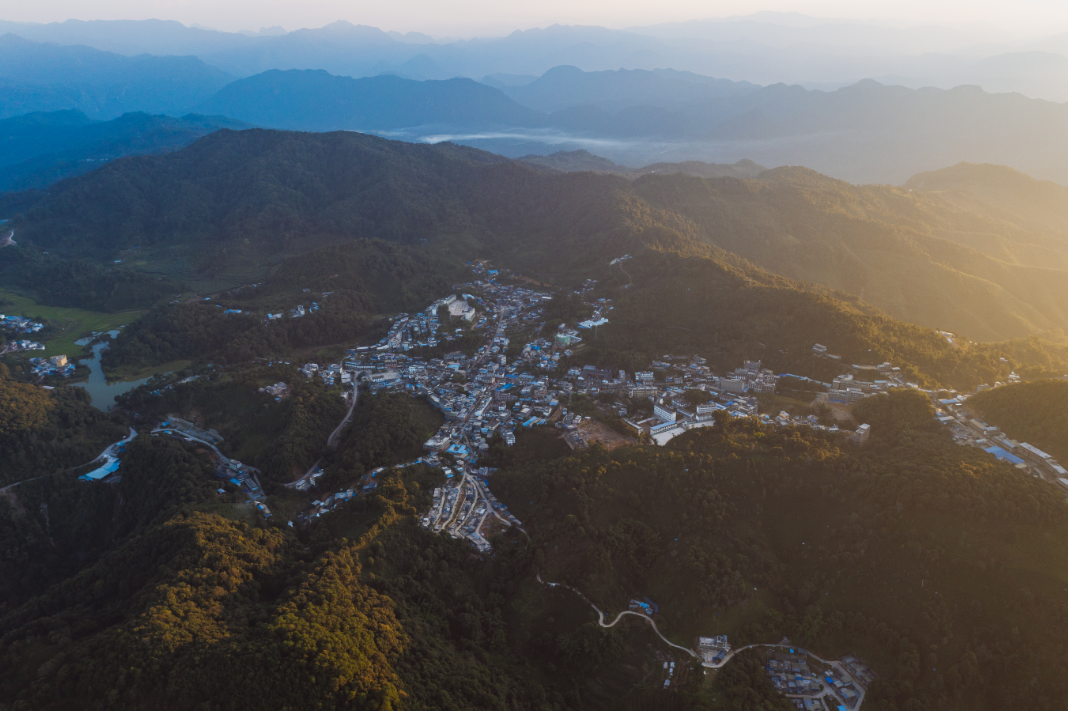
column 489, row 393
column 20, row 325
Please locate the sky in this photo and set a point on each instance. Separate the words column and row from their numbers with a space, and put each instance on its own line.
column 466, row 18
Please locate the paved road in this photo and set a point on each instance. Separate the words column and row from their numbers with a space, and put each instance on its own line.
column 600, row 616
column 102, row 455
column 331, row 441
column 12, row 486
column 837, row 666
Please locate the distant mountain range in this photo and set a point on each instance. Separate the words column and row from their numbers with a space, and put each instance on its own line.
column 765, row 48
column 942, row 253
column 103, row 85
column 564, row 86
column 572, row 161
column 38, row 149
column 865, row 133
column 313, row 100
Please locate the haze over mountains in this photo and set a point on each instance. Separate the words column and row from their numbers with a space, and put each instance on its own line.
column 863, row 133
column 754, row 88
column 763, row 48
column 47, row 77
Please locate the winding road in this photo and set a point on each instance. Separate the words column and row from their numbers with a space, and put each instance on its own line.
column 12, row 486
column 331, row 441
column 600, row 616
column 836, row 665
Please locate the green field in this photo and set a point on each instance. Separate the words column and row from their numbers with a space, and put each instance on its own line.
column 70, row 324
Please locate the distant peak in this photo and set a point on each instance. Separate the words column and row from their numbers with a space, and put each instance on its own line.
column 563, row 69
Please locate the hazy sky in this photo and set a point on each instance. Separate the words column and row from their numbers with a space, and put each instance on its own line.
column 493, row 17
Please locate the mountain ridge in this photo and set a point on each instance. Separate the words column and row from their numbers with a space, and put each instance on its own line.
column 42, row 77
column 265, row 194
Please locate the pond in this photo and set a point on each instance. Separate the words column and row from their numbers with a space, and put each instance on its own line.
column 100, row 390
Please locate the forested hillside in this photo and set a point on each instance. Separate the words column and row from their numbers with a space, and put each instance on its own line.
column 917, row 256
column 924, row 256
column 81, row 283
column 1035, row 412
column 386, row 429
column 396, row 619
column 939, row 562
column 42, row 431
column 38, row 149
column 942, row 567
column 729, row 311
column 283, row 439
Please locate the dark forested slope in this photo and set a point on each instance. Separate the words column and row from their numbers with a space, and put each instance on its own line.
column 38, row 149
column 234, row 202
column 313, row 100
column 42, row 431
column 942, row 567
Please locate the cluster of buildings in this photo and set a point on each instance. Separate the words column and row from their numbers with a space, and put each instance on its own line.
column 461, row 511
column 790, row 674
column 325, row 505
column 299, row 312
column 672, row 413
column 971, row 431
column 329, row 374
column 840, row 685
column 20, row 324
column 21, row 345
column 55, row 366
column 278, row 391
column 847, row 388
column 488, row 393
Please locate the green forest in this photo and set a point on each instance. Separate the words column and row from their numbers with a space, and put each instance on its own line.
column 282, row 439
column 373, row 227
column 682, row 302
column 43, row 431
column 940, row 565
column 83, row 283
column 387, row 428
column 1035, row 412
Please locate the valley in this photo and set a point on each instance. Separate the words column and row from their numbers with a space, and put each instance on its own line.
column 716, row 365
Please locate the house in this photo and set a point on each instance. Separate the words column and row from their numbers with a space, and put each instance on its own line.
column 861, row 435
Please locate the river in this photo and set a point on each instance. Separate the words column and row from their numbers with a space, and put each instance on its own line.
column 103, row 392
